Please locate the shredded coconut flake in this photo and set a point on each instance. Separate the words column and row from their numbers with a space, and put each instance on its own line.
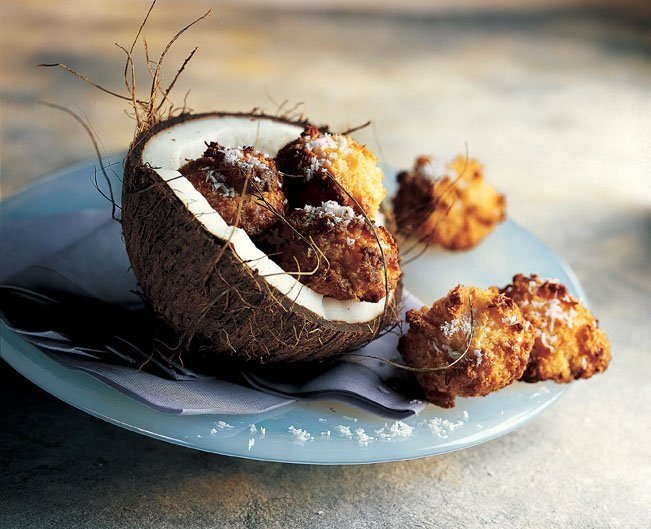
column 333, row 212
column 343, row 431
column 328, row 145
column 222, row 426
column 358, row 434
column 511, row 320
column 324, row 150
column 450, row 328
column 362, row 438
column 398, row 430
column 553, row 309
column 247, row 161
column 442, row 427
column 548, row 340
column 218, row 183
column 251, row 443
column 532, row 287
column 478, row 356
column 434, row 170
column 316, row 166
column 556, row 313
column 300, row 436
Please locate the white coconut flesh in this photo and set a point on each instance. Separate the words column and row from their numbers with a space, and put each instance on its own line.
column 168, row 150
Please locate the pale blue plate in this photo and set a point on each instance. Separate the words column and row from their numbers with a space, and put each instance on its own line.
column 299, row 433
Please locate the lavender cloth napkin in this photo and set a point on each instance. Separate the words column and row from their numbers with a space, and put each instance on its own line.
column 51, row 264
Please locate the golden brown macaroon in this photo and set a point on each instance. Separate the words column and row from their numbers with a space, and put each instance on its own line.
column 310, row 163
column 569, row 343
column 452, row 206
column 237, row 182
column 496, row 341
column 344, row 260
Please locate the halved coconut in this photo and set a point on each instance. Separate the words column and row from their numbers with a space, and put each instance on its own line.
column 207, row 280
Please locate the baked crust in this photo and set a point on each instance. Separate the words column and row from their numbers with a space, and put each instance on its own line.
column 569, row 344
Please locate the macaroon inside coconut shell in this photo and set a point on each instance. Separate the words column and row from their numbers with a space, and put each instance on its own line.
column 336, row 252
column 207, row 280
column 241, row 184
column 321, row 166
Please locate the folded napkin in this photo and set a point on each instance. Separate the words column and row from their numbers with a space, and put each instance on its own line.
column 67, row 288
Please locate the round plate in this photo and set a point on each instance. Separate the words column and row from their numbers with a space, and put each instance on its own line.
column 316, row 432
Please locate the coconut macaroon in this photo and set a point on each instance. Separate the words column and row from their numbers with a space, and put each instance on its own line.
column 569, row 343
column 336, row 253
column 241, row 184
column 450, row 205
column 474, row 341
column 318, row 166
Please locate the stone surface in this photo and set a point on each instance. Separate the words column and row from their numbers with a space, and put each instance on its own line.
column 557, row 106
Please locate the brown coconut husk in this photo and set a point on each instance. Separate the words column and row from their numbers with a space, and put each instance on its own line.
column 209, row 303
column 200, row 288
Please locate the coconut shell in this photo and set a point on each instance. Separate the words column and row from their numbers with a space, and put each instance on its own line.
column 195, row 283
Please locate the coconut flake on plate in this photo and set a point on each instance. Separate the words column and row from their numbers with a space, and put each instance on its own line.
column 398, row 430
column 299, row 435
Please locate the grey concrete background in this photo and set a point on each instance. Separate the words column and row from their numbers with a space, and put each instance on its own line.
column 555, row 102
